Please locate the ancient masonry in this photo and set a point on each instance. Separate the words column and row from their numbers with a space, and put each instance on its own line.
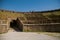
column 4, row 25
column 36, row 25
column 32, row 21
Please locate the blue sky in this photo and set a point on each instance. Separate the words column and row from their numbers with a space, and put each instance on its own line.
column 29, row 5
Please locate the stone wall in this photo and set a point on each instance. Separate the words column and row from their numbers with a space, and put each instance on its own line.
column 41, row 28
column 51, row 27
column 4, row 26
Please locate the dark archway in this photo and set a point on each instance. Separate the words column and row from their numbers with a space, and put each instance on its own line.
column 14, row 25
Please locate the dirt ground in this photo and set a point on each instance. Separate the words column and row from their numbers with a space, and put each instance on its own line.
column 27, row 36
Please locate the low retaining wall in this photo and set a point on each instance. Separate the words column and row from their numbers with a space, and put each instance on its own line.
column 46, row 27
column 4, row 26
column 41, row 28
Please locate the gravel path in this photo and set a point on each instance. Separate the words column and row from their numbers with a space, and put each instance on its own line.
column 26, row 36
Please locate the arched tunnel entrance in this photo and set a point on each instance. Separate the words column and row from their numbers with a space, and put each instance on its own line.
column 14, row 25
